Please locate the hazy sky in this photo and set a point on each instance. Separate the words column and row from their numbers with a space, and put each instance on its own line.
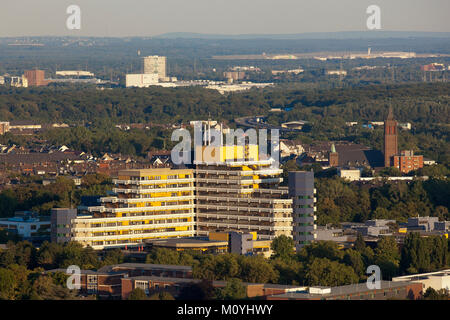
column 153, row 17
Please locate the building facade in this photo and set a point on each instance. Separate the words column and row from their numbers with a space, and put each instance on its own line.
column 145, row 204
column 156, row 64
column 302, row 192
column 390, row 139
column 35, row 78
column 28, row 225
column 237, row 191
column 407, row 161
column 141, row 80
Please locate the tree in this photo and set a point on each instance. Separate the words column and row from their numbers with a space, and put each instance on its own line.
column 256, row 269
column 45, row 288
column 163, row 295
column 432, row 294
column 360, row 243
column 203, row 290
column 114, row 256
column 320, row 249
column 387, row 257
column 355, row 260
column 137, row 294
column 283, row 247
column 233, row 290
column 8, row 284
column 324, row 272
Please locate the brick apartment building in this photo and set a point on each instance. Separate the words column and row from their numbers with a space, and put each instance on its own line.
column 407, row 161
column 36, row 78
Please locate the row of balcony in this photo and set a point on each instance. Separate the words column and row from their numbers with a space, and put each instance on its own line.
column 240, row 217
column 244, row 209
column 239, row 226
column 158, row 190
column 140, row 209
column 243, row 200
column 135, row 218
column 145, row 199
column 241, row 172
column 89, row 230
column 187, row 233
column 240, row 181
column 149, row 182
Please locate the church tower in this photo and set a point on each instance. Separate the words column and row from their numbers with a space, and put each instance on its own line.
column 390, row 139
column 333, row 157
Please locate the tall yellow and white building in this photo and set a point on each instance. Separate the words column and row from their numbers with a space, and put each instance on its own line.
column 147, row 204
column 238, row 191
column 231, row 189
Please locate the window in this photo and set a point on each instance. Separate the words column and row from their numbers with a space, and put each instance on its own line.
column 142, row 285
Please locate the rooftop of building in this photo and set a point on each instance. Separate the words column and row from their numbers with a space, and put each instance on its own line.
column 341, row 290
column 144, row 266
column 90, row 272
column 423, row 276
column 216, row 283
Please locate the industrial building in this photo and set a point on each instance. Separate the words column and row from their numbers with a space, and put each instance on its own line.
column 141, row 80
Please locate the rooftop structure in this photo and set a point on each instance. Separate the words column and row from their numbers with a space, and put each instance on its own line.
column 359, row 291
column 436, row 280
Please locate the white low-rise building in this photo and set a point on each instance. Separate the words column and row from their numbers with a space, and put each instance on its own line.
column 350, row 174
column 142, row 80
column 436, row 280
column 26, row 224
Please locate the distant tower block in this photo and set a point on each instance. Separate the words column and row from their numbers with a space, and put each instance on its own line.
column 333, row 157
column 155, row 64
column 390, row 139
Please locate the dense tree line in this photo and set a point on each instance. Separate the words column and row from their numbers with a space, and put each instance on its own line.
column 32, row 195
column 339, row 201
column 323, row 263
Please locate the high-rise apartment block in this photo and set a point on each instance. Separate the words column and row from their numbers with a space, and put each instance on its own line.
column 35, row 78
column 302, row 192
column 238, row 191
column 231, row 191
column 146, row 204
column 156, row 64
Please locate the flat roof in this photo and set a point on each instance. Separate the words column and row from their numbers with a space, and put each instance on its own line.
column 145, row 266
column 342, row 290
column 93, row 272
